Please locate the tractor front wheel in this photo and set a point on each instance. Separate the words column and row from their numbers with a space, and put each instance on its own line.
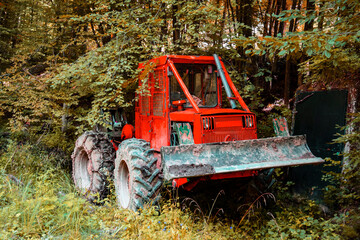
column 93, row 163
column 136, row 177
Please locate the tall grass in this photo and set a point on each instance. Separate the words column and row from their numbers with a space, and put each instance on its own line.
column 38, row 201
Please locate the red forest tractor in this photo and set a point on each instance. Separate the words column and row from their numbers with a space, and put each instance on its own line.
column 183, row 134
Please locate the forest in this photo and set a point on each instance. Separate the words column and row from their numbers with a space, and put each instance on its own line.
column 64, row 61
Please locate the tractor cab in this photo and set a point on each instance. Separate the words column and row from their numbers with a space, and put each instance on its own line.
column 185, row 104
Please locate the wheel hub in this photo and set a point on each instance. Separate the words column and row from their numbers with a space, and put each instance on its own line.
column 84, row 171
column 89, row 168
column 124, row 185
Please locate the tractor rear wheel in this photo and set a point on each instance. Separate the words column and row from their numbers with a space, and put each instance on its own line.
column 93, row 164
column 136, row 177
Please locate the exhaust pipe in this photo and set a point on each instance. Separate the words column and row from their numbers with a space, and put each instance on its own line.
column 224, row 82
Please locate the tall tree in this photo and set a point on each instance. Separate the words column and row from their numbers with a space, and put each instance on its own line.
column 329, row 50
column 8, row 32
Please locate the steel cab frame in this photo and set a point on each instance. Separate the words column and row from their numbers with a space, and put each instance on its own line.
column 157, row 117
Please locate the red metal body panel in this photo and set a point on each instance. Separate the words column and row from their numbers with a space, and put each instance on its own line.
column 188, row 115
column 227, row 128
column 184, row 181
column 151, row 115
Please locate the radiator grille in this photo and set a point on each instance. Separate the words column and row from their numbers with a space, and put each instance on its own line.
column 248, row 121
column 228, row 128
column 208, row 123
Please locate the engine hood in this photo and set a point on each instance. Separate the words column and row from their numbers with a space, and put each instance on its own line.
column 189, row 113
column 222, row 111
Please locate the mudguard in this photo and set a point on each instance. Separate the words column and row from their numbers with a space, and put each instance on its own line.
column 196, row 160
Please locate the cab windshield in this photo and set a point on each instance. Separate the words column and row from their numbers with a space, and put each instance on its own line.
column 200, row 80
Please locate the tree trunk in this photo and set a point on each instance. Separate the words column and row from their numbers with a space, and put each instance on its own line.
column 64, row 118
column 232, row 14
column 276, row 24
column 287, row 81
column 292, row 22
column 310, row 6
column 222, row 21
column 247, row 18
column 353, row 98
column 272, row 20
column 321, row 18
column 281, row 26
column 266, row 18
column 176, row 30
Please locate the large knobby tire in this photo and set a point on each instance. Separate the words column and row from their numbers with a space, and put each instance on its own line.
column 93, row 164
column 136, row 178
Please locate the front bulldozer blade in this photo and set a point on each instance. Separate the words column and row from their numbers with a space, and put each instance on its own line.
column 213, row 158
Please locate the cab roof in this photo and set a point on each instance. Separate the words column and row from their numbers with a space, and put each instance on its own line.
column 190, row 59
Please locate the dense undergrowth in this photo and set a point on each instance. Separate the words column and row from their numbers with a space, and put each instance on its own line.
column 38, row 201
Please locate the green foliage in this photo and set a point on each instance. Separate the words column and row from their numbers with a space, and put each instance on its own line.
column 25, row 95
column 86, row 57
column 326, row 53
column 343, row 189
column 8, row 32
column 297, row 225
column 48, row 80
column 69, row 59
column 343, row 192
column 38, row 200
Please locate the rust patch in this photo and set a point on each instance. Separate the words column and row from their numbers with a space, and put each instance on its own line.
column 298, row 142
column 306, row 155
column 187, row 170
column 198, row 149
